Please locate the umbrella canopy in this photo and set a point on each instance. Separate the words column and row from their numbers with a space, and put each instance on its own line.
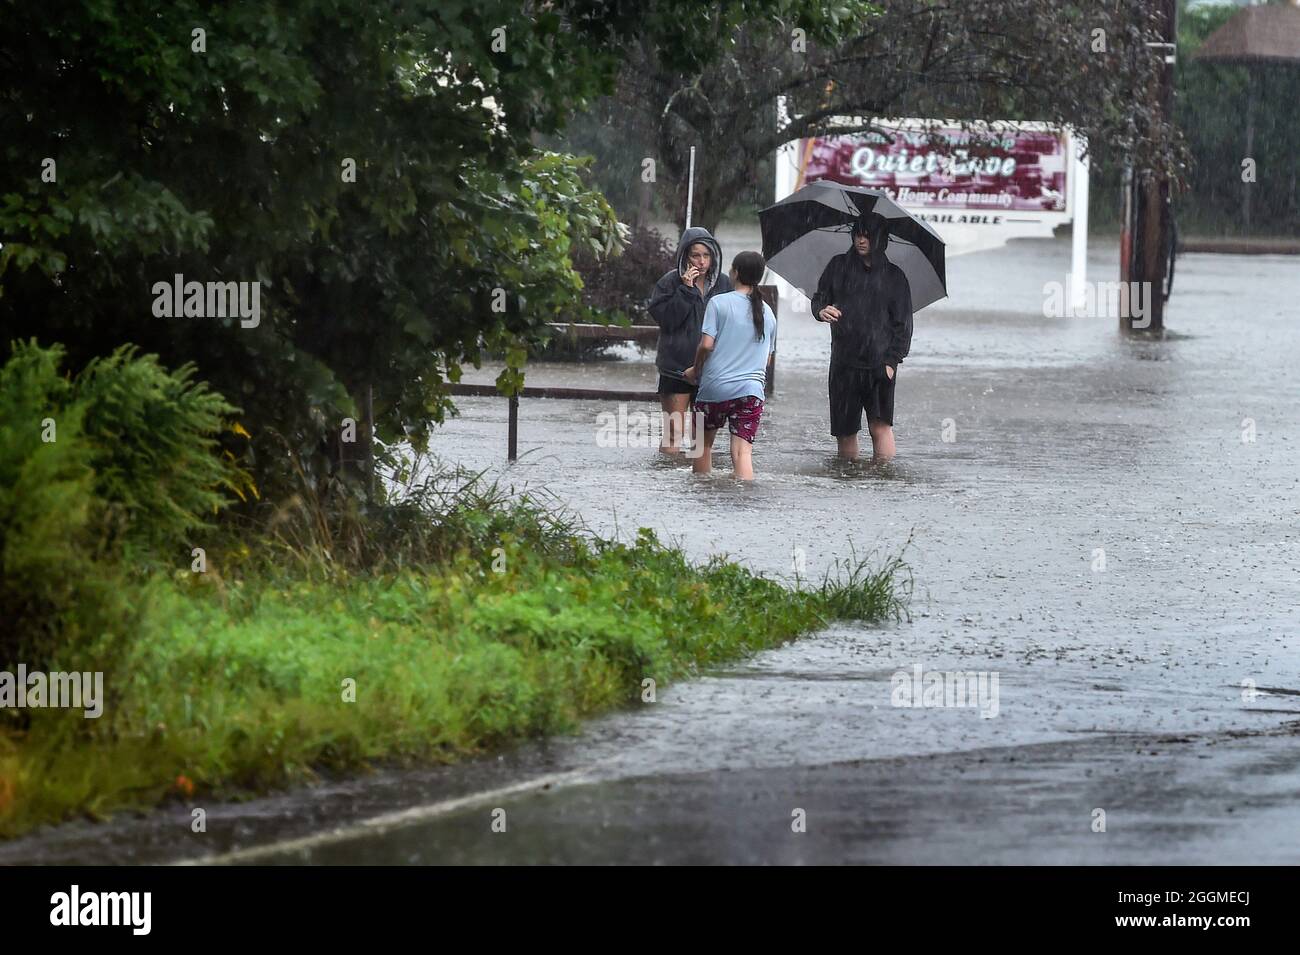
column 806, row 229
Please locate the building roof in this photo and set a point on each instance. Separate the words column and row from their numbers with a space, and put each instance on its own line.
column 1255, row 35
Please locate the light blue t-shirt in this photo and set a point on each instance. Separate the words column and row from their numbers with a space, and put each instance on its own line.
column 737, row 365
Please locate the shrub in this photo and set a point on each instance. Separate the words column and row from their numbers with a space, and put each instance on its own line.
column 48, row 510
column 620, row 285
column 154, row 447
column 120, row 460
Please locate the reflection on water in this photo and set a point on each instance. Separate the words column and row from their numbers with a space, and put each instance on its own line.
column 668, row 462
column 867, row 469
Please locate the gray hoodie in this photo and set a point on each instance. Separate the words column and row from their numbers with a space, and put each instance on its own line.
column 678, row 308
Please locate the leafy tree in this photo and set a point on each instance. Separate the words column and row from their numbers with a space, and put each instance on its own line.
column 970, row 61
column 371, row 166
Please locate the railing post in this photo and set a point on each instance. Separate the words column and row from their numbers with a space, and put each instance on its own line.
column 576, row 394
column 513, row 440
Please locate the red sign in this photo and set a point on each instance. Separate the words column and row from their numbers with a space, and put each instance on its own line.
column 998, row 171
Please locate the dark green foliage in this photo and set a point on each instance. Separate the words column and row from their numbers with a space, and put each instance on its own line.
column 120, row 461
column 229, row 164
column 970, row 61
column 154, row 448
column 50, row 520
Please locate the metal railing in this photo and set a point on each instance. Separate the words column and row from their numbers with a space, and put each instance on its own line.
column 647, row 334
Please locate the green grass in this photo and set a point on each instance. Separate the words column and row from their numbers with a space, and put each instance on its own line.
column 235, row 685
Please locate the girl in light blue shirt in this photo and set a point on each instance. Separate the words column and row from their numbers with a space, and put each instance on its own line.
column 736, row 341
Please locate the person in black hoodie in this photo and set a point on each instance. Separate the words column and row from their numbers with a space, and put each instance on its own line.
column 867, row 301
column 677, row 306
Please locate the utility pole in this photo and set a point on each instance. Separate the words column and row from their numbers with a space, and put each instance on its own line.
column 1144, row 244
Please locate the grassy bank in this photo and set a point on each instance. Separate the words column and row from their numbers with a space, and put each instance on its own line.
column 246, row 642
column 515, row 624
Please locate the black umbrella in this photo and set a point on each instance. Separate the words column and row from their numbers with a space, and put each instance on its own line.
column 806, row 229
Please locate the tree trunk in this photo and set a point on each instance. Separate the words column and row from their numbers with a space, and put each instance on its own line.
column 643, row 205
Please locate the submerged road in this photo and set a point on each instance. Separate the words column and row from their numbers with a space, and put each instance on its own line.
column 1111, row 529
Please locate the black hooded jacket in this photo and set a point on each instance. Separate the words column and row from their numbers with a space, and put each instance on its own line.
column 678, row 308
column 875, row 324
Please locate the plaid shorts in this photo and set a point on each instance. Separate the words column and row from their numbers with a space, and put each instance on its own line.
column 740, row 414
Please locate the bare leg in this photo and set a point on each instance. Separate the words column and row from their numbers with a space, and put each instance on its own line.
column 848, row 447
column 675, row 419
column 703, row 462
column 882, row 440
column 742, row 458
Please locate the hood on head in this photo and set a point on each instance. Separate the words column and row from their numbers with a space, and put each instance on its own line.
column 691, row 236
column 876, row 227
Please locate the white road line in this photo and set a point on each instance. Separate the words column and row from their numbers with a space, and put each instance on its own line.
column 392, row 820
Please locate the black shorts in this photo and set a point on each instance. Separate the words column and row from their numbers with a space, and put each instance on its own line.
column 855, row 390
column 676, row 386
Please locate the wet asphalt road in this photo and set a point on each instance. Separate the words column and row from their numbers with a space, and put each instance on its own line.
column 1119, row 689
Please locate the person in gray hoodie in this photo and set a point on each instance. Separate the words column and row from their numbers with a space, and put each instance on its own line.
column 677, row 306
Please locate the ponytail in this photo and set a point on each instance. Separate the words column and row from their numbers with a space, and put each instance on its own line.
column 756, row 307
column 749, row 267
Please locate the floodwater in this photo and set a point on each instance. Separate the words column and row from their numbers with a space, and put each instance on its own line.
column 1109, row 528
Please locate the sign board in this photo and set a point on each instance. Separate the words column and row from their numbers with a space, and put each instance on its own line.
column 978, row 188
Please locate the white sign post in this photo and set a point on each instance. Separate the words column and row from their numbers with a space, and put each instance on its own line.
column 1079, row 231
column 690, row 189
